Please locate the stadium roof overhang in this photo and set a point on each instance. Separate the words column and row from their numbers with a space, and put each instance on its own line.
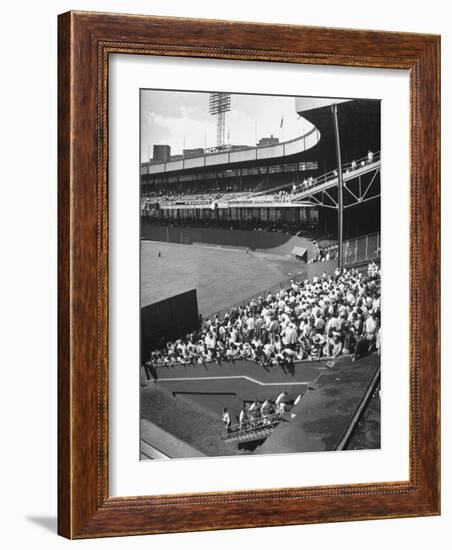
column 306, row 104
column 359, row 127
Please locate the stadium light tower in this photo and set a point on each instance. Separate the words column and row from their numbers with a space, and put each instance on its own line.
column 219, row 105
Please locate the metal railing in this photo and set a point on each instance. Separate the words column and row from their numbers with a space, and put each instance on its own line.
column 359, row 250
column 347, row 168
column 266, row 196
column 251, row 427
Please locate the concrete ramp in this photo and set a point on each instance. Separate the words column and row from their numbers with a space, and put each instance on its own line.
column 288, row 246
column 328, row 410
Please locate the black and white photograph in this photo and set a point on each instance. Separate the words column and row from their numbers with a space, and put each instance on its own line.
column 236, row 326
column 260, row 274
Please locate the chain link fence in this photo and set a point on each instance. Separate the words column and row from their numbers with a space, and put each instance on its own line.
column 362, row 250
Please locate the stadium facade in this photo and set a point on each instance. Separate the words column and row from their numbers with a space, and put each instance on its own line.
column 292, row 182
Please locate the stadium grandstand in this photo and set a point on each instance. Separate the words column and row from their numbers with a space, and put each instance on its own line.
column 292, row 183
column 270, row 255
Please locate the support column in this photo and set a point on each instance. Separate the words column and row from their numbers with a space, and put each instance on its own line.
column 340, row 188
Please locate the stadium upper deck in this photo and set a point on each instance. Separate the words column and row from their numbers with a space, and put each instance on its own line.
column 359, row 122
column 275, row 179
column 246, row 156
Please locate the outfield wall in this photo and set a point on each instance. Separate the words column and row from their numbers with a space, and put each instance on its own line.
column 268, row 241
column 168, row 320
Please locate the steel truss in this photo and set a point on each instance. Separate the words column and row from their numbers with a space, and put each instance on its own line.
column 358, row 189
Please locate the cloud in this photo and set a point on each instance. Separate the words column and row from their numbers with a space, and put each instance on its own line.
column 182, row 119
column 180, row 132
column 190, row 112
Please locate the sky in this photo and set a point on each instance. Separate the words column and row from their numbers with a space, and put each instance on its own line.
column 175, row 117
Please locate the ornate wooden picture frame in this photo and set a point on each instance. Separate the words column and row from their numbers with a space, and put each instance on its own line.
column 86, row 40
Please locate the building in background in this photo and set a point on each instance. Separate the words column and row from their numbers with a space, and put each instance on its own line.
column 265, row 141
column 190, row 153
column 161, row 153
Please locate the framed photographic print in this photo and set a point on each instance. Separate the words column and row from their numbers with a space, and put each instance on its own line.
column 248, row 275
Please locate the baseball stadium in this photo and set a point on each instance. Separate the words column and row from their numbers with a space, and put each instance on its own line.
column 260, row 287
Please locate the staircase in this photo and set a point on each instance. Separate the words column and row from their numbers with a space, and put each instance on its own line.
column 253, row 430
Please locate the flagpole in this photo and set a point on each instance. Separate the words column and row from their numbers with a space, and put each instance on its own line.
column 281, row 126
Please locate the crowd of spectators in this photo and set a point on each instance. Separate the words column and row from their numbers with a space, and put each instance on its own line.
column 213, row 191
column 283, row 196
column 373, row 270
column 323, row 318
column 150, row 199
column 202, row 188
column 324, row 253
column 309, row 183
column 171, row 197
